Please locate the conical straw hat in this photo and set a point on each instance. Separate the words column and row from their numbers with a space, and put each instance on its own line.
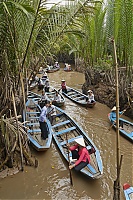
column 114, row 108
column 80, row 141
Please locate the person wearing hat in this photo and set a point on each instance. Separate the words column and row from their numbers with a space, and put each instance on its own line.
column 80, row 153
column 113, row 116
column 90, row 98
column 46, row 87
column 43, row 123
column 63, row 86
column 43, row 99
column 57, row 97
column 51, row 113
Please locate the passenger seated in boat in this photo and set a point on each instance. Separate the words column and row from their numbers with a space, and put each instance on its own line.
column 46, row 87
column 51, row 113
column 79, row 152
column 43, row 99
column 56, row 65
column 113, row 117
column 90, row 98
column 57, row 97
column 63, row 86
column 45, row 76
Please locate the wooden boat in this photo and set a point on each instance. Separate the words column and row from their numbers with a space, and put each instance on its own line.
column 78, row 97
column 67, row 70
column 50, row 97
column 66, row 126
column 31, row 119
column 51, row 69
column 128, row 191
column 127, row 130
column 32, row 85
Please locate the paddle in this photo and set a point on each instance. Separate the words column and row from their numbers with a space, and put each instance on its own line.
column 70, row 173
column 120, row 116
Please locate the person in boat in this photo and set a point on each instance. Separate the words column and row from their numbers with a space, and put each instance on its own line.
column 40, row 84
column 46, row 87
column 90, row 98
column 113, row 117
column 57, row 97
column 63, row 86
column 56, row 65
column 51, row 113
column 79, row 152
column 43, row 123
column 45, row 76
column 43, row 99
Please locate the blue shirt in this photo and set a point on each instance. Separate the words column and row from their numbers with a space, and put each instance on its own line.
column 113, row 116
column 43, row 114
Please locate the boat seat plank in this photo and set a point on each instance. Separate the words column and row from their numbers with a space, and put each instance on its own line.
column 131, row 134
column 34, row 131
column 74, row 95
column 78, row 98
column 88, row 147
column 91, row 168
column 33, row 124
column 61, row 124
column 70, row 140
column 66, row 130
column 32, row 112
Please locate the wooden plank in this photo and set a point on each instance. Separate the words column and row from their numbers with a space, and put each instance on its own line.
column 81, row 97
column 70, row 140
column 66, row 130
column 32, row 124
column 61, row 124
column 91, row 169
column 32, row 112
column 34, row 131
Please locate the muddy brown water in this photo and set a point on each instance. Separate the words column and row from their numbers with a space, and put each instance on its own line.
column 51, row 179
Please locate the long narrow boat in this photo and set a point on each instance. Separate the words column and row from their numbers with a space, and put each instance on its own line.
column 50, row 97
column 31, row 121
column 51, row 69
column 78, row 97
column 51, row 94
column 32, row 85
column 128, row 191
column 66, row 130
column 127, row 130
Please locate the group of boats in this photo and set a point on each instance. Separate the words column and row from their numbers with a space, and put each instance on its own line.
column 66, row 130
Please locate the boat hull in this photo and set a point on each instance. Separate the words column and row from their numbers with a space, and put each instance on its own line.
column 127, row 130
column 128, row 191
column 78, row 97
column 65, row 130
column 32, row 126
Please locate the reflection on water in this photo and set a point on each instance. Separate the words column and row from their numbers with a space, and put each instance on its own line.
column 51, row 179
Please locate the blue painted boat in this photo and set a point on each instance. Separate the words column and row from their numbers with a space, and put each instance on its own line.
column 128, row 191
column 127, row 130
column 31, row 122
column 78, row 97
column 64, row 130
column 50, row 97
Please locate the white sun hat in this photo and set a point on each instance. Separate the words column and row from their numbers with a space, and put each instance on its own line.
column 63, row 80
column 114, row 108
column 80, row 141
column 89, row 91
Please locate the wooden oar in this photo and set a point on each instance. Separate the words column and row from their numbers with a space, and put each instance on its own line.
column 70, row 173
